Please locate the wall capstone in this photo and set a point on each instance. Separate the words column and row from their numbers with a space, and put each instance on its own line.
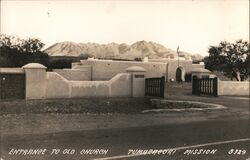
column 34, row 66
column 136, row 69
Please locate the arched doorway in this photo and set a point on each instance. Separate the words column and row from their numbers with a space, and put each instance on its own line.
column 180, row 74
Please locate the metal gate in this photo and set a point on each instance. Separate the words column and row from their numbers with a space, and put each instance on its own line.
column 155, row 87
column 12, row 86
column 207, row 86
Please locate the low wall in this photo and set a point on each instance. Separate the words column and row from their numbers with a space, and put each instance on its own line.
column 83, row 74
column 11, row 70
column 59, row 87
column 89, row 89
column 121, row 85
column 233, row 88
column 41, row 84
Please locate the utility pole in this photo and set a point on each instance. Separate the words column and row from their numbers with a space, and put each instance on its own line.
column 178, row 54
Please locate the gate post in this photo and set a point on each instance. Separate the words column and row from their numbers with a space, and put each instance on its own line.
column 35, row 81
column 194, row 85
column 215, row 87
column 162, row 86
column 138, row 81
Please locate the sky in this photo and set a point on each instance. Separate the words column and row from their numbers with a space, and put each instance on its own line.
column 193, row 25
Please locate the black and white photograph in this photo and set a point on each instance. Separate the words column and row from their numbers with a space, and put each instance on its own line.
column 124, row 80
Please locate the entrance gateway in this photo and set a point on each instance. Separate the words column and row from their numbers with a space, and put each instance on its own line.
column 180, row 74
column 206, row 86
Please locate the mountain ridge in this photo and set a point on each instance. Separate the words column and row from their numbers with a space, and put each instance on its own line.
column 113, row 50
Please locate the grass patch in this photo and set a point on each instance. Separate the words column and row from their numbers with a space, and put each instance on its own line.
column 175, row 104
column 97, row 105
column 86, row 105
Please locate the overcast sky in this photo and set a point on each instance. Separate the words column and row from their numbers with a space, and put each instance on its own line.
column 191, row 24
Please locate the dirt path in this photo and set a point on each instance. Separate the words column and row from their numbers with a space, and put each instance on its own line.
column 30, row 123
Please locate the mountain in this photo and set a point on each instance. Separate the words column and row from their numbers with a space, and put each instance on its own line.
column 138, row 49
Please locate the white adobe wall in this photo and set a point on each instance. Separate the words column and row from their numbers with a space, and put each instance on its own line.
column 106, row 69
column 53, row 85
column 83, row 74
column 89, row 89
column 57, row 86
column 121, row 85
column 233, row 88
column 45, row 85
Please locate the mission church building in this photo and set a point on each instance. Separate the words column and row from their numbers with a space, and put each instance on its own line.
column 106, row 69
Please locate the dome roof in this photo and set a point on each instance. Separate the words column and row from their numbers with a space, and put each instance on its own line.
column 34, row 65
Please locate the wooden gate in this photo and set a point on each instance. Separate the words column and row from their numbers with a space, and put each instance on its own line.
column 12, row 86
column 207, row 86
column 155, row 87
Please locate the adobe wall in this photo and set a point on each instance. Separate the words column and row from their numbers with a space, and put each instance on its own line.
column 57, row 86
column 11, row 70
column 233, row 88
column 53, row 85
column 173, row 65
column 45, row 85
column 106, row 69
column 121, row 85
column 89, row 89
column 83, row 74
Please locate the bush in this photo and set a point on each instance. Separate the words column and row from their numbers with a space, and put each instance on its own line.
column 138, row 59
column 60, row 64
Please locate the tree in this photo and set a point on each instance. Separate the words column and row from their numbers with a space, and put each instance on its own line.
column 231, row 58
column 16, row 52
column 31, row 45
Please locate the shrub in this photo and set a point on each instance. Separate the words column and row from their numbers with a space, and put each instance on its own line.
column 60, row 64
